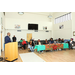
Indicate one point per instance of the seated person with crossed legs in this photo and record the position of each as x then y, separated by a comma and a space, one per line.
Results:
24, 44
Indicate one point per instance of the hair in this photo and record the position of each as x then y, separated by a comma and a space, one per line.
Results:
8, 33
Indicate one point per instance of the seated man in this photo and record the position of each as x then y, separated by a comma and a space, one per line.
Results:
24, 44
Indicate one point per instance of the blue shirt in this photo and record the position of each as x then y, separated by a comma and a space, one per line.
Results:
51, 42
7, 39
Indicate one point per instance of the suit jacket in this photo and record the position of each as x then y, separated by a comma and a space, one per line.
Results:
14, 39
7, 39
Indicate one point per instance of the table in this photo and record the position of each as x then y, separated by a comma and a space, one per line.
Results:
65, 45
39, 47
50, 46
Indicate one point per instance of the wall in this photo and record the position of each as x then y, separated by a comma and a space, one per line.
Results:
23, 20
65, 33
1, 24
73, 24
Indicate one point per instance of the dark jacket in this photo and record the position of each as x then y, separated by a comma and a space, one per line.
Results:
14, 39
46, 43
51, 42
32, 43
7, 39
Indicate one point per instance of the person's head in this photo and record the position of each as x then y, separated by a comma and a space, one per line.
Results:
14, 35
8, 34
21, 39
38, 40
46, 40
51, 39
59, 39
71, 39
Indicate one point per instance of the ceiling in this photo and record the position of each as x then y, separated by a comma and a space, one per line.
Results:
42, 13
39, 13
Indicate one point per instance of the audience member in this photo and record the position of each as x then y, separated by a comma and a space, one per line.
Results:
32, 46
56, 40
14, 38
51, 41
21, 40
59, 40
71, 43
46, 42
62, 40
7, 38
24, 44
38, 42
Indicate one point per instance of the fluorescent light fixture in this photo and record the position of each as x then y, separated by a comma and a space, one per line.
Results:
21, 13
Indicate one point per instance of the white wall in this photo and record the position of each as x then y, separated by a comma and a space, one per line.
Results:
65, 33
73, 24
23, 20
0, 40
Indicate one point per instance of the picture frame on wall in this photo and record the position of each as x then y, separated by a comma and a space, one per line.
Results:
73, 33
61, 26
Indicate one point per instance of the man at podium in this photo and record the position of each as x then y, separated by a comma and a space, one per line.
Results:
7, 38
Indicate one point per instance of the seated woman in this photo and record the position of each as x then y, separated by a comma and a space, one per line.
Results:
71, 44
51, 41
24, 44
62, 40
46, 42
32, 46
59, 40
39, 43
56, 40
21, 40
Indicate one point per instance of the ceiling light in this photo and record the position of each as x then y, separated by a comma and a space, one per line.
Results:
21, 13
50, 16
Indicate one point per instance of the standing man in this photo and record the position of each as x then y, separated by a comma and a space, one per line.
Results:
14, 38
7, 38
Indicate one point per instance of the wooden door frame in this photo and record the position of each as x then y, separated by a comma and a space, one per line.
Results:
29, 33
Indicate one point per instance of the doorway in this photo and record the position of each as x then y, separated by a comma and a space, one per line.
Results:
29, 36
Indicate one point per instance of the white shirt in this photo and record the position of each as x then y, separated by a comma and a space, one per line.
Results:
70, 41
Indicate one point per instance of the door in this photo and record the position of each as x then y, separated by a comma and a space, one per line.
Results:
29, 36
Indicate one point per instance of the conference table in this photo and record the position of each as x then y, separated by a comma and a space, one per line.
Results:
51, 46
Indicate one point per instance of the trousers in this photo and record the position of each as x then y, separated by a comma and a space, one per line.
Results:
32, 48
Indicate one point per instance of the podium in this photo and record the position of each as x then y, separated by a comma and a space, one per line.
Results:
11, 51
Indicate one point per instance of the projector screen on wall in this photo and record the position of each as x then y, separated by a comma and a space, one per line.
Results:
32, 26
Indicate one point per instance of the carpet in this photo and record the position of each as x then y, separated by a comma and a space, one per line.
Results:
30, 57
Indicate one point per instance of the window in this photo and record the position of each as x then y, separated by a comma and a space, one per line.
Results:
63, 18
66, 17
